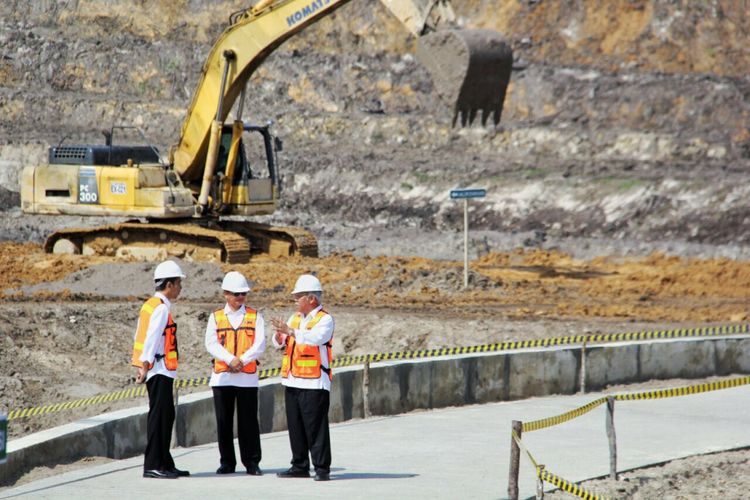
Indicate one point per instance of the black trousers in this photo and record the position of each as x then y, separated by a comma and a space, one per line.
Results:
307, 419
248, 431
159, 423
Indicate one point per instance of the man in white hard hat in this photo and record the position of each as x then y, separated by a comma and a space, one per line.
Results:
235, 337
306, 375
155, 355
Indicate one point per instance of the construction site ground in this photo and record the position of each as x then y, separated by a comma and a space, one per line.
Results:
69, 319
477, 465
616, 180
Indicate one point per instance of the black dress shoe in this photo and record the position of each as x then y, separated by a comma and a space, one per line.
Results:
180, 473
225, 469
322, 476
254, 470
159, 474
292, 472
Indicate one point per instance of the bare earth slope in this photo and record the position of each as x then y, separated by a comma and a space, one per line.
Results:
624, 120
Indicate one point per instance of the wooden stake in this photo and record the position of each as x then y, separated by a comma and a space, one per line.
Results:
366, 389
611, 437
515, 459
540, 484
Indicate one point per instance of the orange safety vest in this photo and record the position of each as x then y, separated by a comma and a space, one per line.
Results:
304, 359
170, 355
235, 341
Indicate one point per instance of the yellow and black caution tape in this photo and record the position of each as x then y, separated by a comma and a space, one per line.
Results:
543, 423
564, 485
544, 475
101, 398
706, 331
684, 391
523, 448
424, 353
183, 383
549, 342
116, 395
559, 419
573, 488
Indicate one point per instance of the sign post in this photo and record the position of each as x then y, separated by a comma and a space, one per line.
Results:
465, 194
3, 438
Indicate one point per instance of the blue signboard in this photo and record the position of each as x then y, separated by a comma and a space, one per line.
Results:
468, 193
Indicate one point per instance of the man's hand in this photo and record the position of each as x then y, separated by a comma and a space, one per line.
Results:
236, 365
280, 338
282, 327
283, 332
142, 372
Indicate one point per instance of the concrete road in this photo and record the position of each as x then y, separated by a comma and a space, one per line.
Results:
449, 453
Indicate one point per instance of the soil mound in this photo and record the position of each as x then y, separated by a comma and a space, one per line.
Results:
128, 280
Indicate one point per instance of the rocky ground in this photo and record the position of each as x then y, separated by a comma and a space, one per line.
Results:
624, 133
715, 474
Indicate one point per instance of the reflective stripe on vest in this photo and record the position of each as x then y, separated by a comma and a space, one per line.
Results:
305, 359
169, 334
238, 341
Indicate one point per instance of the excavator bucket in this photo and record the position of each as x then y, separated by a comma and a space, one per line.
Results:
470, 69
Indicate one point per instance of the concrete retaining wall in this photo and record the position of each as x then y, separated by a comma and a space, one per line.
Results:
397, 387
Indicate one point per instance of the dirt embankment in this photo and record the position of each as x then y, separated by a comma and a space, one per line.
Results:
543, 283
702, 476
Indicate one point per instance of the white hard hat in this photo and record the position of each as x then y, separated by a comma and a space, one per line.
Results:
168, 269
307, 283
235, 282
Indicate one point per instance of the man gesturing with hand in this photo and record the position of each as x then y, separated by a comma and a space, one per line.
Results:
306, 374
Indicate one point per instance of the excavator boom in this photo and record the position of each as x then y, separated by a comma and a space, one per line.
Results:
471, 68
241, 49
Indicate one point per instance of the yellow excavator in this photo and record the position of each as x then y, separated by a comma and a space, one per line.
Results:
196, 207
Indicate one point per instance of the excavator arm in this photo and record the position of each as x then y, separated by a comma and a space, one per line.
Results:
472, 67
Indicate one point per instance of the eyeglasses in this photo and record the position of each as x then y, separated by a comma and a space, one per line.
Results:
239, 294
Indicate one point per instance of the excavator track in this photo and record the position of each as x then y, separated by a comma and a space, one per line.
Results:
276, 240
225, 241
152, 240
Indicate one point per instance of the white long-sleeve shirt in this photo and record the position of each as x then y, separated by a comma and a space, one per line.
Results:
318, 335
153, 344
218, 351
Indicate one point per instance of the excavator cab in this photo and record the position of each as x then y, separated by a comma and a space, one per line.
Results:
246, 175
